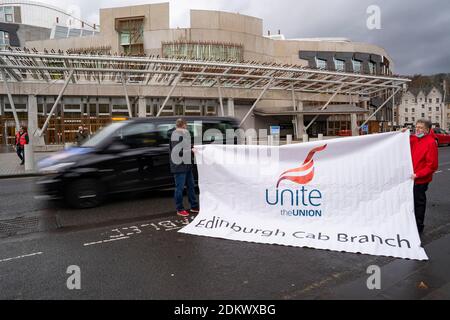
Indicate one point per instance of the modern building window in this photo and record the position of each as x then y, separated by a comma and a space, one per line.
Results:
125, 38
339, 65
372, 67
6, 14
4, 39
357, 66
321, 64
203, 51
131, 35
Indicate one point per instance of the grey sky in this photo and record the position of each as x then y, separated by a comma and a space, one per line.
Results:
416, 33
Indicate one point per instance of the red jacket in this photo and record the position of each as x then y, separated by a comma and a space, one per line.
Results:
21, 139
424, 153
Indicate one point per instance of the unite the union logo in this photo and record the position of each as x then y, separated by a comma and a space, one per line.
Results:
301, 201
305, 173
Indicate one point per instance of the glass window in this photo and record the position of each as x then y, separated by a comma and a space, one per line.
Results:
406, 109
138, 135
406, 119
423, 115
125, 38
163, 130
321, 64
437, 109
413, 119
103, 109
4, 39
372, 67
430, 100
339, 65
437, 100
413, 110
430, 109
357, 66
102, 135
203, 51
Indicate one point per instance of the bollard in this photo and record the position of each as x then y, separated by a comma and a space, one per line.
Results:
29, 158
289, 139
320, 136
305, 138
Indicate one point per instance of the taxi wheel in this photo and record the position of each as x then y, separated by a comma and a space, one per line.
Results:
84, 194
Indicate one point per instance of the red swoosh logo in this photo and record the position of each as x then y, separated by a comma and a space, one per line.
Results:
307, 164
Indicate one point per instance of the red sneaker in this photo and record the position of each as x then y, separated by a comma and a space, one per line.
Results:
183, 213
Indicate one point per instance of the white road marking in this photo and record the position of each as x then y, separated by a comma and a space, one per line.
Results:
105, 241
123, 233
21, 257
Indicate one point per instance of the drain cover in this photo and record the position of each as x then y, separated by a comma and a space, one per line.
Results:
14, 226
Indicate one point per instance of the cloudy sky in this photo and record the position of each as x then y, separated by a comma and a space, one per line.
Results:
416, 33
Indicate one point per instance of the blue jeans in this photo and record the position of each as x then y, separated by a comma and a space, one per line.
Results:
20, 150
182, 179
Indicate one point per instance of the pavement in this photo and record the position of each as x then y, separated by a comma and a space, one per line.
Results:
10, 163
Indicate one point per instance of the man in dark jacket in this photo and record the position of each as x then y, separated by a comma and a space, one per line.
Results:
424, 153
21, 140
181, 166
80, 136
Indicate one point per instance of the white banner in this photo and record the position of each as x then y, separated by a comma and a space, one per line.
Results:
353, 195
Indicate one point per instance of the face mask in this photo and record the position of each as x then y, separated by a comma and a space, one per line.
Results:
420, 135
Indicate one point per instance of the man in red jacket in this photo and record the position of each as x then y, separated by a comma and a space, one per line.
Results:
424, 152
21, 140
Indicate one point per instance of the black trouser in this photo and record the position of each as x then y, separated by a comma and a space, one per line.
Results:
21, 152
420, 204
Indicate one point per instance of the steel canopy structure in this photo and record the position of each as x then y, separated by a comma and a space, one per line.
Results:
26, 66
